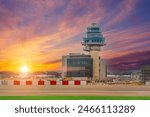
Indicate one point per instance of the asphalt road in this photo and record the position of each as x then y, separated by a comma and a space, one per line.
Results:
87, 90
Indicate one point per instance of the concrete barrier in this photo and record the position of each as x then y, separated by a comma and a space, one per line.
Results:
35, 82
10, 82
77, 82
44, 82
41, 82
59, 82
52, 82
28, 82
83, 82
16, 82
47, 82
71, 82
65, 82
22, 82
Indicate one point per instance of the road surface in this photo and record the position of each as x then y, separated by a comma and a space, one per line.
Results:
87, 90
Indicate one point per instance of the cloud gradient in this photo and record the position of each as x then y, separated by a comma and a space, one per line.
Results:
39, 32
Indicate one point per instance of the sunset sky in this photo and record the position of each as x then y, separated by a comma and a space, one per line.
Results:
36, 33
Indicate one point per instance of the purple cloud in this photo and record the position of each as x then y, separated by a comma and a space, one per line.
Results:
130, 61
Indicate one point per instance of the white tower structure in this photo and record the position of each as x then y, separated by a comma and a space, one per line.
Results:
92, 43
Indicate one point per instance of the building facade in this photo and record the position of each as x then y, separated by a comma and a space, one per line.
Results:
146, 73
103, 69
77, 65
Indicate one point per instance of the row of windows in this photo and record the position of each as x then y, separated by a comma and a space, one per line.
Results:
79, 74
93, 29
93, 35
94, 41
79, 62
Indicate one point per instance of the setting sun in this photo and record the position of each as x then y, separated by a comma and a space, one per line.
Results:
24, 69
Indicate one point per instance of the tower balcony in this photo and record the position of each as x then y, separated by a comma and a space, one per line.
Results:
93, 41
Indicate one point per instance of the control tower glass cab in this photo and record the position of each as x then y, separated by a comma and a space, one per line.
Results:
92, 43
94, 38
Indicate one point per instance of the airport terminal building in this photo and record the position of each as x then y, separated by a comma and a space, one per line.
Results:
80, 66
77, 65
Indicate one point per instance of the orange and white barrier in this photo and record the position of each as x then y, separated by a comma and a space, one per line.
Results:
41, 82
65, 82
71, 82
9, 82
17, 82
29, 82
35, 82
77, 82
83, 82
53, 82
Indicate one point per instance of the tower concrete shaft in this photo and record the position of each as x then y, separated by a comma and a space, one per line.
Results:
96, 64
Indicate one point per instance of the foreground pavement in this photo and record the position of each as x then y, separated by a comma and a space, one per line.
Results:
87, 90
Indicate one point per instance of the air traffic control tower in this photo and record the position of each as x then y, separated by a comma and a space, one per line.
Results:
92, 43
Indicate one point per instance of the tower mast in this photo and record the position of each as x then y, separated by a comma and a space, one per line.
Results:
92, 43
